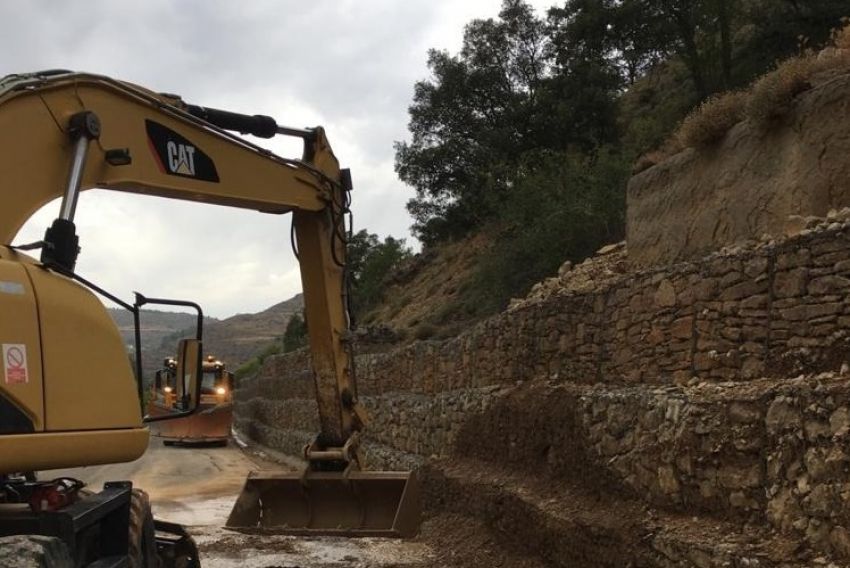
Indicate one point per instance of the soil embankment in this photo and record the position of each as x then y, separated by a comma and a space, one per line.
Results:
760, 179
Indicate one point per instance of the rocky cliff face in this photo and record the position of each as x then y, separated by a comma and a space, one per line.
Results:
758, 180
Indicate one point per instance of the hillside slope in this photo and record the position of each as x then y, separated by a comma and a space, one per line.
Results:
758, 164
425, 297
237, 339
159, 333
234, 340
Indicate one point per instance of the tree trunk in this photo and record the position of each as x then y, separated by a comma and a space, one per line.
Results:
725, 42
690, 51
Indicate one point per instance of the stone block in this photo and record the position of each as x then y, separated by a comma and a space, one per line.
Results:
790, 283
740, 476
782, 415
741, 290
682, 328
665, 295
829, 285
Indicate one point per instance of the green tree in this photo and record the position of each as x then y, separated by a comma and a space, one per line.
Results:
772, 30
295, 336
370, 264
469, 122
581, 94
725, 44
566, 206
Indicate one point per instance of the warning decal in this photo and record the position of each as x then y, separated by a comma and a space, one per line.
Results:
15, 363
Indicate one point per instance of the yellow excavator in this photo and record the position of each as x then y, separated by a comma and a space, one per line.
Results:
211, 423
68, 394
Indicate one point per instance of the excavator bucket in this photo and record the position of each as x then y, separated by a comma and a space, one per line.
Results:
359, 503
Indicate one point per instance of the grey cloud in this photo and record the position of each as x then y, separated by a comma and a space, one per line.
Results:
348, 65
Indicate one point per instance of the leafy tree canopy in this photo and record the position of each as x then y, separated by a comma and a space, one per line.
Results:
524, 83
370, 263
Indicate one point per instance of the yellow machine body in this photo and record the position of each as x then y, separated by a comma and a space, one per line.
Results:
65, 421
77, 405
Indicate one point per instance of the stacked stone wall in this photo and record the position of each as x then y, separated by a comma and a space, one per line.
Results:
770, 450
735, 315
674, 384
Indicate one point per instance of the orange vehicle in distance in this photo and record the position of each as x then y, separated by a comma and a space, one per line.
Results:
211, 423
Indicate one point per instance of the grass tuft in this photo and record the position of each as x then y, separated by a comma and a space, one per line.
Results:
772, 96
710, 121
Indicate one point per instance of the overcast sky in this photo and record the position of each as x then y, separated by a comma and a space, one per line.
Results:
347, 65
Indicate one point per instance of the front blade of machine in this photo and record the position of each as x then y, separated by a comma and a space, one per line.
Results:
210, 424
359, 503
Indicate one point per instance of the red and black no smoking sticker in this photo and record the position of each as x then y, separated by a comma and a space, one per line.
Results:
15, 363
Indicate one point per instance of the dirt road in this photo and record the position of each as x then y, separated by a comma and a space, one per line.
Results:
196, 487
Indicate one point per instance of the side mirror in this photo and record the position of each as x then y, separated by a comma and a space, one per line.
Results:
188, 379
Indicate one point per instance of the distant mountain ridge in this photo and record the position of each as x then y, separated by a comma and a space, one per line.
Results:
234, 340
237, 339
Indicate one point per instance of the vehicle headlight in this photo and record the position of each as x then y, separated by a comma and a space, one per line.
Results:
166, 389
220, 390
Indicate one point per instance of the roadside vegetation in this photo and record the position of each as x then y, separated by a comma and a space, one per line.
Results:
767, 99
531, 130
521, 144
371, 263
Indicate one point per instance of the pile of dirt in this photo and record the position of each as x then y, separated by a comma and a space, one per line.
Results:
462, 541
487, 514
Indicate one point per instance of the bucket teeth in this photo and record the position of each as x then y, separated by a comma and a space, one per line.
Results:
329, 503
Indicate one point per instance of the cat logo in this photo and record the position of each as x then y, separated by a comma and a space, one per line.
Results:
181, 158
177, 156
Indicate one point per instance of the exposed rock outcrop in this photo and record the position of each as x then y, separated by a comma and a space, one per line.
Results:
749, 185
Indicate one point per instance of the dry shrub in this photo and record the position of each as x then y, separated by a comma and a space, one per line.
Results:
772, 96
646, 161
710, 122
768, 98
424, 331
653, 157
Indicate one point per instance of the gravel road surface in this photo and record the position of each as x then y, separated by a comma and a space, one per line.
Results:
196, 486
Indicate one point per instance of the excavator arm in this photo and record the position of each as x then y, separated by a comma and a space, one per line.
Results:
64, 133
